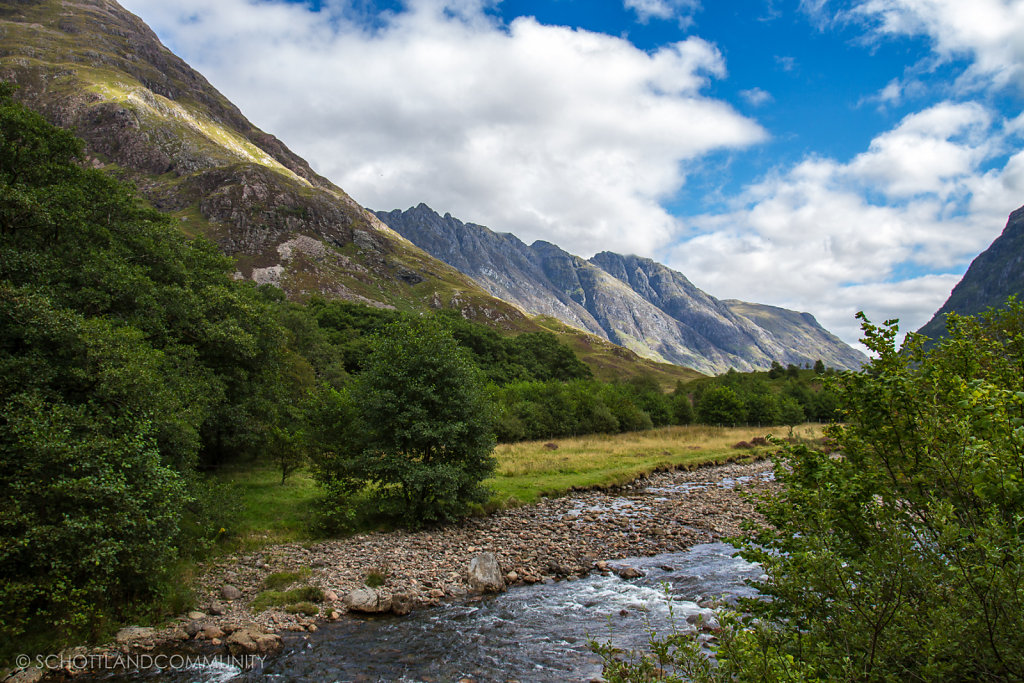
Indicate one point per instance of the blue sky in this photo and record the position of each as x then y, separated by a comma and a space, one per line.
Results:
824, 156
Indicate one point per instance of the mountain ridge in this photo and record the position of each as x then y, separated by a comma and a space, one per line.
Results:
95, 68
628, 300
993, 276
147, 117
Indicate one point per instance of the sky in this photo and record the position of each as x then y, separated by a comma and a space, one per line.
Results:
821, 155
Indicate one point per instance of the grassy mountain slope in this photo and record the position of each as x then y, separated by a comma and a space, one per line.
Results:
95, 68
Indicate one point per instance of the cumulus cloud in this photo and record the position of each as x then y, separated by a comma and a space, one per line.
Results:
886, 232
986, 32
544, 131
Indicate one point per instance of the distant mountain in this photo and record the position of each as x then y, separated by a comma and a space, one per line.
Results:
995, 275
632, 301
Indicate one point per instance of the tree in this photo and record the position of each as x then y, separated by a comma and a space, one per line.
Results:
761, 408
720, 405
897, 554
682, 408
419, 432
126, 354
819, 367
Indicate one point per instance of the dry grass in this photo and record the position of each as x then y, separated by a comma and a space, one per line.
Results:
531, 469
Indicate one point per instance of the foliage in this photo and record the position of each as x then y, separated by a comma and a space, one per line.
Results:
779, 396
720, 405
414, 428
127, 357
898, 555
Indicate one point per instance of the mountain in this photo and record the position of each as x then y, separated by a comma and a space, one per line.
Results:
632, 301
995, 275
145, 115
95, 68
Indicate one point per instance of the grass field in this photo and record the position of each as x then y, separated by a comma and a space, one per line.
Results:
274, 513
531, 469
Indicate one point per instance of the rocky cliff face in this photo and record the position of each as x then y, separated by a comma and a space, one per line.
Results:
631, 301
93, 67
993, 277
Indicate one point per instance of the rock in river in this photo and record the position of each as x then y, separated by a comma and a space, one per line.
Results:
485, 574
368, 600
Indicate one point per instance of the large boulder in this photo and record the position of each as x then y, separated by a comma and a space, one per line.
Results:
368, 600
252, 640
229, 592
485, 574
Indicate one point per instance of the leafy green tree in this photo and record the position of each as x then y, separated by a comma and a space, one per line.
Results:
761, 408
127, 355
819, 367
899, 554
776, 370
682, 407
652, 400
544, 357
720, 405
421, 435
789, 411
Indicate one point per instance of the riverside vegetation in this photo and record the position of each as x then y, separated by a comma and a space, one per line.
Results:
135, 370
896, 554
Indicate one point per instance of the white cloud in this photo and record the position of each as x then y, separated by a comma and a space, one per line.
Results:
756, 97
987, 32
887, 233
548, 132
929, 152
663, 9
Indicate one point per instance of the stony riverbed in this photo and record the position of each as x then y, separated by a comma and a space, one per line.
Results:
557, 539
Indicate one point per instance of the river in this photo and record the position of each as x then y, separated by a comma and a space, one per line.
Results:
535, 633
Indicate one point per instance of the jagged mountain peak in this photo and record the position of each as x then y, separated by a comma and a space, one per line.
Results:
630, 300
994, 276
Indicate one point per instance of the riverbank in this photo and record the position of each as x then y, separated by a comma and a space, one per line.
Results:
555, 539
